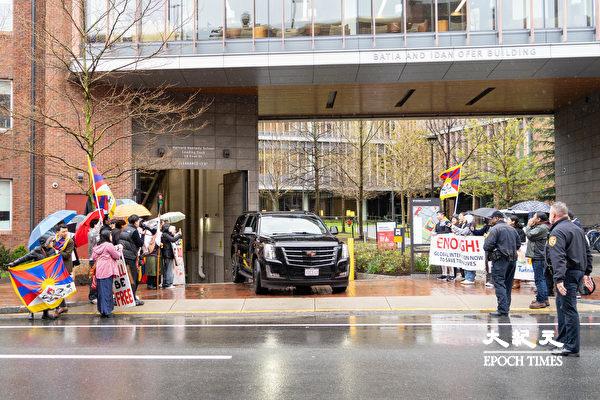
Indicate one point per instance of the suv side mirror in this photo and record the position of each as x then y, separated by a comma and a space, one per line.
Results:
248, 230
333, 230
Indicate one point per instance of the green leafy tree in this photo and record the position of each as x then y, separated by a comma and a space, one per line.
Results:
542, 143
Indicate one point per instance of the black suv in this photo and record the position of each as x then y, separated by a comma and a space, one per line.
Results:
281, 249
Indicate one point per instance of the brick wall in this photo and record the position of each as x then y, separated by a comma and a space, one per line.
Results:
578, 157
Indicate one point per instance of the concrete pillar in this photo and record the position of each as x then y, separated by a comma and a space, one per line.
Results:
577, 161
305, 202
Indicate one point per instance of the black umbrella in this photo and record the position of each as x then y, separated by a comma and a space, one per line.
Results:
484, 212
531, 206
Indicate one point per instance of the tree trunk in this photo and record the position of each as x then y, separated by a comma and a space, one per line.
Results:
361, 173
343, 214
402, 212
316, 171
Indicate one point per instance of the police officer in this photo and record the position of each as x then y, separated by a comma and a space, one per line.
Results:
570, 256
502, 244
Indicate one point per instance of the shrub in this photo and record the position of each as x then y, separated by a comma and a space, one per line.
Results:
19, 251
371, 260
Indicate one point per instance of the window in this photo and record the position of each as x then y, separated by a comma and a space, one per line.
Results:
6, 15
153, 20
264, 24
515, 14
357, 15
210, 19
95, 19
546, 13
420, 16
482, 15
388, 16
5, 205
581, 14
328, 18
298, 19
5, 104
181, 19
452, 15
122, 18
240, 16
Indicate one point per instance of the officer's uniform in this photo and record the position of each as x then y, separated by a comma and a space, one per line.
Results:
502, 243
571, 259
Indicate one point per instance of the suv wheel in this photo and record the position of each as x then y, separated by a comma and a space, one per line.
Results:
339, 289
256, 283
235, 270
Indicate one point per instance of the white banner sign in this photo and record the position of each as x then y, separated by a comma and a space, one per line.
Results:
122, 287
464, 252
524, 270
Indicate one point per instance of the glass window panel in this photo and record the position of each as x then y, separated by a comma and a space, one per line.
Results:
298, 20
5, 104
122, 17
452, 15
275, 18
482, 15
5, 204
388, 16
420, 16
328, 17
240, 18
95, 20
364, 19
515, 14
6, 15
210, 19
262, 27
181, 19
580, 13
546, 13
153, 20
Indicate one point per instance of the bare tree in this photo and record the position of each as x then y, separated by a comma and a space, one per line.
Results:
311, 157
96, 112
358, 140
275, 175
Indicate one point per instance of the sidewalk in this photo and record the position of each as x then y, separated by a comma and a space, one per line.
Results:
416, 294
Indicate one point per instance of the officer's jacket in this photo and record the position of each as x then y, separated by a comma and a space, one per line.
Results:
567, 249
503, 238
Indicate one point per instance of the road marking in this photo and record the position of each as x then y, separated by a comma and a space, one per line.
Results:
109, 357
297, 325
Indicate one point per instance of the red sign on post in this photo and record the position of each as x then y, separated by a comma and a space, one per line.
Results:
385, 235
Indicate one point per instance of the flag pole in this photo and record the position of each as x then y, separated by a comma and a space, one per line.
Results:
160, 203
91, 172
458, 190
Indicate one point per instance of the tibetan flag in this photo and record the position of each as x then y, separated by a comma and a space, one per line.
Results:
104, 198
42, 285
451, 185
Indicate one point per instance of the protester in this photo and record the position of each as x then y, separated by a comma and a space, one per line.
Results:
537, 234
502, 244
168, 256
116, 228
514, 221
465, 229
64, 245
105, 256
43, 250
575, 220
458, 221
442, 227
569, 253
92, 240
151, 248
132, 242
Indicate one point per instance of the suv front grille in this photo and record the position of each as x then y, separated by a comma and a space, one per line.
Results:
310, 257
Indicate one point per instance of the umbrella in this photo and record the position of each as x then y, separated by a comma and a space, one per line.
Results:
484, 212
173, 217
72, 224
47, 224
121, 202
125, 210
81, 234
531, 206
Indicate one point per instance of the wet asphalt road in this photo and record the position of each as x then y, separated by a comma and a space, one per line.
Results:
276, 357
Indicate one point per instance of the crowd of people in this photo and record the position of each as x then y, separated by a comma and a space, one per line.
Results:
560, 257
138, 243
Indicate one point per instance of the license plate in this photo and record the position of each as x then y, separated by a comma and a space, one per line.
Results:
311, 272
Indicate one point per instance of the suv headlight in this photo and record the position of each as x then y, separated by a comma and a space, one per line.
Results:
345, 253
269, 252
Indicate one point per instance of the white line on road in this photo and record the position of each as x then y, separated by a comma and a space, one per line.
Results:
109, 357
340, 325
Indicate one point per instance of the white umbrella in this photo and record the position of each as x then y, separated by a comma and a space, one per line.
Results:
173, 217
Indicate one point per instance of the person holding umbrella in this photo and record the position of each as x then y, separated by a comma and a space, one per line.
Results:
167, 240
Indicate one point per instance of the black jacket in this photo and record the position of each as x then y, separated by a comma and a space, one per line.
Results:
441, 228
167, 250
568, 249
37, 254
504, 239
481, 232
131, 241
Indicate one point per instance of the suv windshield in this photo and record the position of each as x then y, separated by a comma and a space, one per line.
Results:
282, 225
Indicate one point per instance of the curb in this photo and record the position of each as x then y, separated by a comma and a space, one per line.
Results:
23, 309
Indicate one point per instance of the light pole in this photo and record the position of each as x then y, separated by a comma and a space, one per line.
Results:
431, 138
